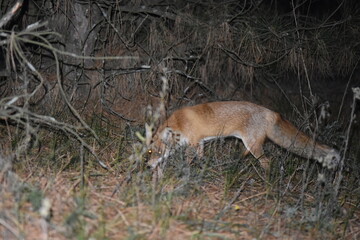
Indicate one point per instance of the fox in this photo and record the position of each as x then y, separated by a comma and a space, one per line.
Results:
192, 126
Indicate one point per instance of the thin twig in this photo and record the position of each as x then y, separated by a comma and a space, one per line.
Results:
338, 178
10, 228
346, 89
231, 202
6, 18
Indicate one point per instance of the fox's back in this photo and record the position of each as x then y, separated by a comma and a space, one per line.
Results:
219, 119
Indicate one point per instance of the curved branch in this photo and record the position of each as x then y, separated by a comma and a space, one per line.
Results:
6, 18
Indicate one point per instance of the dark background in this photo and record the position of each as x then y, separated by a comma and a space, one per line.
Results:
80, 79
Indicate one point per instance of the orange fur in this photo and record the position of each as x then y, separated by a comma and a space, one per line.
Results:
252, 123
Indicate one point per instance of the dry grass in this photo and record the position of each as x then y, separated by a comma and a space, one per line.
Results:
181, 207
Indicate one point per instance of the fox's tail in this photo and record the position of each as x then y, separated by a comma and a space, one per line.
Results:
289, 137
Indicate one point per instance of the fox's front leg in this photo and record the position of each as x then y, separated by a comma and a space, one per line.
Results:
157, 174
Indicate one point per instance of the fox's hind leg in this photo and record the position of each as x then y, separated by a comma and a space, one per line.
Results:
255, 147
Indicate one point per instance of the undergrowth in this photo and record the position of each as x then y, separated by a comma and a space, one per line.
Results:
73, 156
222, 196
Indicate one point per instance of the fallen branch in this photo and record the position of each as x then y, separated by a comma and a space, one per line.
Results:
7, 17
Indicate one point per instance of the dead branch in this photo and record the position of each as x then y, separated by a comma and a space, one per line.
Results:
6, 18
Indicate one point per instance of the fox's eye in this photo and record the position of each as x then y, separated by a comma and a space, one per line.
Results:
150, 151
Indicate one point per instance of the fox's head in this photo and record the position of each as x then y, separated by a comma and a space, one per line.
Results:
162, 144
156, 153
156, 150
